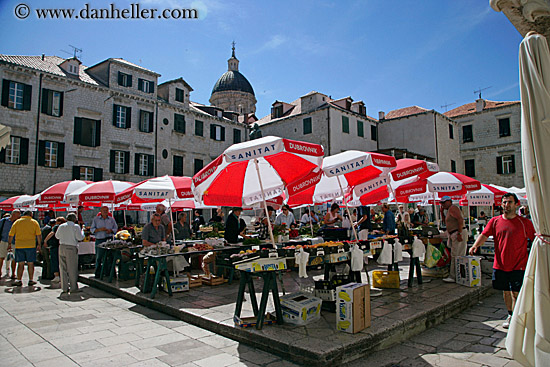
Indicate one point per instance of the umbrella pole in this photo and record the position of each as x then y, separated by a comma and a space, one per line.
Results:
347, 208
125, 225
265, 204
436, 214
172, 222
310, 221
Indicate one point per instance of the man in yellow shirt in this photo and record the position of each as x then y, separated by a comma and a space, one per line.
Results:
26, 232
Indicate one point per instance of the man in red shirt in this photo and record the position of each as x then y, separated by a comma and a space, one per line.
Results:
510, 233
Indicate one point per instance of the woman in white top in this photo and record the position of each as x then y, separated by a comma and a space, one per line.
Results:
332, 215
69, 234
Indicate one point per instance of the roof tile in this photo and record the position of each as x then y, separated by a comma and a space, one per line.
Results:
470, 108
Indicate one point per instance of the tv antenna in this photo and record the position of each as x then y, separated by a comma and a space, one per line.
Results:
480, 90
447, 105
75, 52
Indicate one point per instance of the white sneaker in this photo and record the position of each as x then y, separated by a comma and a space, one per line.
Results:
506, 323
56, 279
449, 280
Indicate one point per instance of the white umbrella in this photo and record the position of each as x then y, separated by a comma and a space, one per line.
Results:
528, 338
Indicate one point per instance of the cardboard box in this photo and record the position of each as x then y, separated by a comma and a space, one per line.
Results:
353, 307
179, 284
300, 308
246, 322
468, 271
338, 257
262, 264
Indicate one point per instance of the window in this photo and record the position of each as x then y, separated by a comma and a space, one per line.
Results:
504, 127
345, 124
236, 136
470, 167
51, 154
16, 95
467, 134
122, 116
360, 131
179, 95
52, 102
362, 110
17, 152
177, 168
119, 162
124, 79
374, 132
145, 121
87, 173
453, 166
144, 164
87, 132
198, 164
146, 86
277, 111
179, 123
217, 132
451, 132
506, 164
308, 129
199, 126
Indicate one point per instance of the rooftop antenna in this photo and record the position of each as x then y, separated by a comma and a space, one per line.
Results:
480, 90
76, 51
447, 105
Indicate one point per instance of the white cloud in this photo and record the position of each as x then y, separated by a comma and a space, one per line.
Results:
504, 90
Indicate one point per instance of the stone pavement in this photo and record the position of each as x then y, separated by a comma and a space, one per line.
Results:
94, 328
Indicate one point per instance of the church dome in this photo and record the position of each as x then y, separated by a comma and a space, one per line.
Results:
233, 80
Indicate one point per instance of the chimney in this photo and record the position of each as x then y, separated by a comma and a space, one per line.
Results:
480, 104
381, 115
43, 57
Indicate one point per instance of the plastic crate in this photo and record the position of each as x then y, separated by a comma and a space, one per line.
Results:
385, 279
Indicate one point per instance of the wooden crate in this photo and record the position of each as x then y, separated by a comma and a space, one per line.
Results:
213, 280
195, 281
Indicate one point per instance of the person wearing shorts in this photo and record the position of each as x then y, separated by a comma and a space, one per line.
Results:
510, 233
27, 234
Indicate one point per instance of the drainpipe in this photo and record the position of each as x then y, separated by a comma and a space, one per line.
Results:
156, 135
436, 148
37, 133
328, 132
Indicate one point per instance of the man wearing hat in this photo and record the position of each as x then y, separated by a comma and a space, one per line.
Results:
457, 234
232, 225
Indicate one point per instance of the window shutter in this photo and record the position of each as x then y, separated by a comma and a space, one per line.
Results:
140, 84
61, 104
24, 151
129, 78
114, 112
98, 174
27, 95
151, 162
212, 131
60, 155
97, 133
151, 87
178, 166
112, 162
151, 122
41, 153
5, 92
119, 78
128, 117
499, 165
136, 164
3, 155
77, 130
76, 172
45, 101
222, 133
513, 168
126, 162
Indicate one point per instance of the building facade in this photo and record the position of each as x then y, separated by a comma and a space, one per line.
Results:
490, 141
108, 121
338, 125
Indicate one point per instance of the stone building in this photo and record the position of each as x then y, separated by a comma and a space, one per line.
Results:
338, 125
490, 141
108, 121
232, 91
415, 132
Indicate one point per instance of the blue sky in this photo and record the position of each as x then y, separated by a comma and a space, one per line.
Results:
388, 53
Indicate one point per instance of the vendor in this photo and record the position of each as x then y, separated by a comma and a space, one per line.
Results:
232, 226
263, 230
286, 217
307, 217
333, 216
182, 228
153, 232
388, 225
420, 218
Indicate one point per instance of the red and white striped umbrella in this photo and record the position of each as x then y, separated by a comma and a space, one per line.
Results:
442, 183
407, 168
16, 202
232, 179
486, 196
158, 189
102, 192
56, 193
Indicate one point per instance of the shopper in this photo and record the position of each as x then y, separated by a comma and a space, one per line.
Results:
510, 233
69, 234
333, 216
103, 227
363, 222
263, 230
388, 224
233, 226
165, 220
307, 217
482, 221
53, 244
153, 232
403, 217
286, 217
182, 228
27, 235
5, 243
45, 251
456, 233
198, 221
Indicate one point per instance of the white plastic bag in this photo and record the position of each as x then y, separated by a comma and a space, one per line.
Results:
418, 249
356, 258
302, 258
397, 251
385, 255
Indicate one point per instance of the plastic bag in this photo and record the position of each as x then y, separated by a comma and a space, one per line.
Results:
433, 255
385, 257
445, 256
418, 248
397, 251
356, 258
